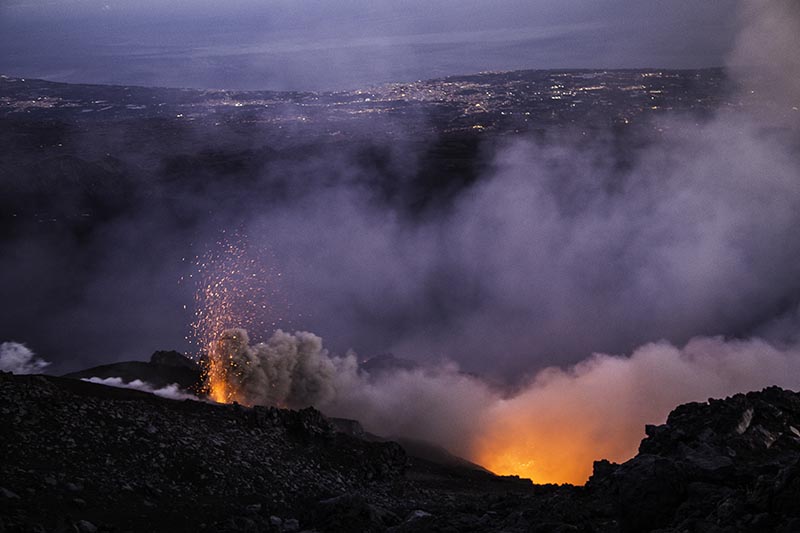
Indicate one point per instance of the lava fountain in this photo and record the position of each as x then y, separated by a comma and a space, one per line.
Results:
236, 286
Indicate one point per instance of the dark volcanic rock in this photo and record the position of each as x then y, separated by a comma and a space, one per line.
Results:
351, 512
143, 463
725, 465
172, 358
646, 491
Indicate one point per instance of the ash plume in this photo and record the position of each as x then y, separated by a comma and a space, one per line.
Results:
19, 359
551, 429
291, 370
435, 403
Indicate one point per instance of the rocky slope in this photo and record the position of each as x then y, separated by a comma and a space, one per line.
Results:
76, 456
725, 465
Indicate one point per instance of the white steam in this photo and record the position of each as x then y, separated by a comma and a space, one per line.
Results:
172, 391
19, 359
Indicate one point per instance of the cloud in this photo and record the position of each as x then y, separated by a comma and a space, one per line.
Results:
555, 253
559, 251
19, 359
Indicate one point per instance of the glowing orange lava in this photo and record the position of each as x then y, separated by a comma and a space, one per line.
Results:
220, 377
216, 377
554, 431
234, 288
556, 456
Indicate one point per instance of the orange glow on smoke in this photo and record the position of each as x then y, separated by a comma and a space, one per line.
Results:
558, 454
565, 419
234, 289
554, 430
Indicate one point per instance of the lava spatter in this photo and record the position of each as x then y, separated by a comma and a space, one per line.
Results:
237, 285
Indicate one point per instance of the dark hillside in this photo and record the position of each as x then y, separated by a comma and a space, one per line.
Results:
83, 457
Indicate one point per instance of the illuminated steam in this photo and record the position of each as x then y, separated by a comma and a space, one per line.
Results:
172, 391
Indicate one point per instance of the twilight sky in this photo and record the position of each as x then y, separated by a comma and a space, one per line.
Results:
324, 44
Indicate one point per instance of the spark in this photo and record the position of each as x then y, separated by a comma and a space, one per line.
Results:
235, 287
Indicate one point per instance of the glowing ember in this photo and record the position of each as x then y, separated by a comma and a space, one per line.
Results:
236, 287
217, 379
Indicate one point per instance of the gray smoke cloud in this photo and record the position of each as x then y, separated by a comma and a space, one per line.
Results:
19, 359
291, 370
551, 429
295, 370
556, 253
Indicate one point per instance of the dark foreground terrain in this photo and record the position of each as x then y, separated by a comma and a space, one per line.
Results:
76, 456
